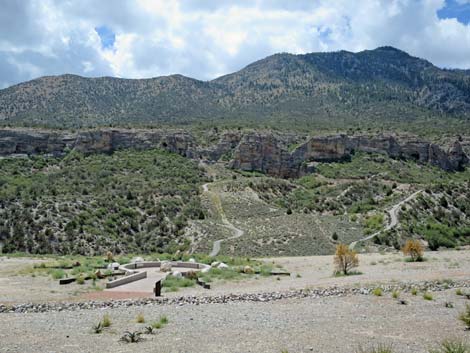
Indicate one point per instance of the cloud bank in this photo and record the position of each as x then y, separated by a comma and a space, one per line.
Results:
205, 38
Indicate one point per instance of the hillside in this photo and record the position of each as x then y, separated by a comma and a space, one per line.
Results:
128, 201
377, 87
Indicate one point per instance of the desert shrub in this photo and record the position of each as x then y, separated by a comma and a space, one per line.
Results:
395, 294
140, 318
465, 317
377, 292
80, 279
413, 249
106, 321
459, 291
452, 346
173, 283
163, 319
427, 296
345, 259
414, 291
109, 256
58, 274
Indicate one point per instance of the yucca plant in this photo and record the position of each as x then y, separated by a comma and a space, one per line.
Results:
149, 330
465, 317
98, 328
131, 337
452, 346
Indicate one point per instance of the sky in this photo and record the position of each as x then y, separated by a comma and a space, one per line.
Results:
208, 38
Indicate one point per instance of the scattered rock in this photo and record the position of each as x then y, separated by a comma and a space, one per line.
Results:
165, 266
334, 291
222, 266
113, 266
248, 269
177, 274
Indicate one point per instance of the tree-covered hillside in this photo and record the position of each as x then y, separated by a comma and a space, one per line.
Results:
381, 87
124, 202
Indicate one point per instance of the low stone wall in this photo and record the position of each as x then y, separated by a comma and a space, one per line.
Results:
149, 264
127, 279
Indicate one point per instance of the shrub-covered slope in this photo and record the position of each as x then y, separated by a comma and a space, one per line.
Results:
124, 202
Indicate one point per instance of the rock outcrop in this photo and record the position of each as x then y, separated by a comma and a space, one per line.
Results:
93, 141
264, 152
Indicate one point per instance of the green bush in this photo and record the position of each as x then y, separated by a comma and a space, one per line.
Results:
427, 296
377, 292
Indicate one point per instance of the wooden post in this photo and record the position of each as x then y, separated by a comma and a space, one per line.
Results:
158, 288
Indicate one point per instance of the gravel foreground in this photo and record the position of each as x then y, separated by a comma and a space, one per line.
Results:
340, 320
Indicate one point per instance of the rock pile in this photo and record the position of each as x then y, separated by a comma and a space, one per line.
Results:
431, 286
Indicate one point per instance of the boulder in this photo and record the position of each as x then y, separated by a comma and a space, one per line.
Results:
192, 260
222, 266
165, 266
113, 266
205, 269
248, 270
215, 264
177, 274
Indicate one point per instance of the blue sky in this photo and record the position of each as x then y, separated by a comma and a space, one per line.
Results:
107, 36
456, 9
208, 38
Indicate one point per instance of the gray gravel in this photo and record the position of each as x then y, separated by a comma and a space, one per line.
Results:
327, 324
333, 291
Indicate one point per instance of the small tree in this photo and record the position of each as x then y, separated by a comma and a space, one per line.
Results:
109, 256
413, 249
345, 259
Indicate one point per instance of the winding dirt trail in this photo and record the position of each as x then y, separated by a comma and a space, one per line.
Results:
237, 233
393, 213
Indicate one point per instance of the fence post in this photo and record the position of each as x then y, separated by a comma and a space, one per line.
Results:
158, 288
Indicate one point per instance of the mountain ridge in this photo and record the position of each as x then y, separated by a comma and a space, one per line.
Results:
382, 84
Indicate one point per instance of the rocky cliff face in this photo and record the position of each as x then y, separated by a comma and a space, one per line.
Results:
264, 152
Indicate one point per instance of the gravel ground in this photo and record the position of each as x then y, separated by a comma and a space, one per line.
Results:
333, 324
312, 324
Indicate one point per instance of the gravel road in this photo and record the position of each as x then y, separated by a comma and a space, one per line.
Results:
237, 233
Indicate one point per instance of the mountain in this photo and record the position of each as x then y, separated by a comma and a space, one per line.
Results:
381, 85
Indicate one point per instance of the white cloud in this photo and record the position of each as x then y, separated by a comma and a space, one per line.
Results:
204, 38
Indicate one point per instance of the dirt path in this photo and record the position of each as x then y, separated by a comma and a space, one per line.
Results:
237, 233
393, 213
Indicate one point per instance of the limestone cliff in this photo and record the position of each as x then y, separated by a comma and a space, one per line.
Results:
253, 151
